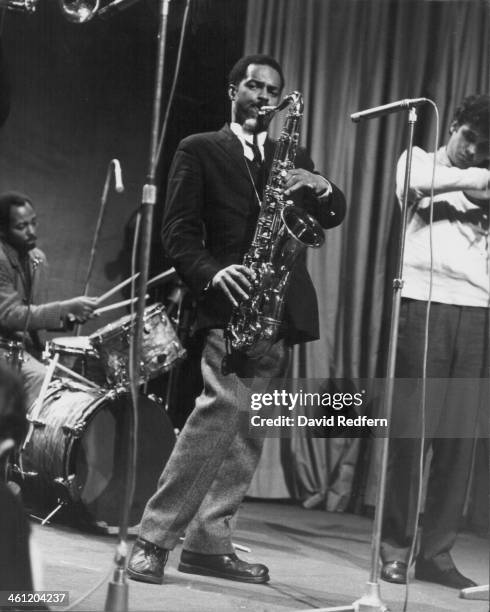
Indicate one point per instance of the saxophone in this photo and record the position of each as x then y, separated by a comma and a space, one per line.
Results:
283, 231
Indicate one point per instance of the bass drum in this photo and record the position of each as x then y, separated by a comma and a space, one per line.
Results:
78, 452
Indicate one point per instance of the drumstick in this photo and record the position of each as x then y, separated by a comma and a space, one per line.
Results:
79, 377
115, 289
116, 305
164, 276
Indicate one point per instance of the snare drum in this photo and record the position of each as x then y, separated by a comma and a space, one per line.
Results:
161, 348
77, 354
78, 447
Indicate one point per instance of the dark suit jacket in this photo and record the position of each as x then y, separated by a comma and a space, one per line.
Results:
210, 218
14, 296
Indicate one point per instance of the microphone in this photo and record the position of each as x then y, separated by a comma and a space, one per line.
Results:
115, 7
386, 109
118, 176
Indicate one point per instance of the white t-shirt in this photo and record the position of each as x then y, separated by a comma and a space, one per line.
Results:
459, 232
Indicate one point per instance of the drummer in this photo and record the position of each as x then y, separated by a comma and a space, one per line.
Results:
22, 275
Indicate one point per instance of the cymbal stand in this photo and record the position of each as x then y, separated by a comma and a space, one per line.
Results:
177, 320
119, 187
116, 166
371, 600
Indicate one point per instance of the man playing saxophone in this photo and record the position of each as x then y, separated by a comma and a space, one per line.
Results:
213, 202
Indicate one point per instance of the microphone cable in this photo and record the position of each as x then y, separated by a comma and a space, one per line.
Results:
171, 96
423, 401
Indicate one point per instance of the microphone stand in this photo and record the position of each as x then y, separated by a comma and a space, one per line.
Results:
371, 600
115, 165
117, 594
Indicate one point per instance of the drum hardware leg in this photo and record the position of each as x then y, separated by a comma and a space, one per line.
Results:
63, 499
38, 404
45, 520
36, 518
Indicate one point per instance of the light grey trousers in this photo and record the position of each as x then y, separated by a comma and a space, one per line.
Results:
32, 373
214, 459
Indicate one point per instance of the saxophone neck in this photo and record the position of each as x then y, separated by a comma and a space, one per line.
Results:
294, 98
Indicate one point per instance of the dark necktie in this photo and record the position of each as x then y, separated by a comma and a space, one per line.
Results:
257, 157
255, 165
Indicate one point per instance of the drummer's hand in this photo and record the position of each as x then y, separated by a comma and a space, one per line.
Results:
234, 281
80, 308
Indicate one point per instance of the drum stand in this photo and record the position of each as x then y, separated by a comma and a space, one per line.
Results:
62, 485
182, 329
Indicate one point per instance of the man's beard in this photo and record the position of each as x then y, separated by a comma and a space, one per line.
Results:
256, 124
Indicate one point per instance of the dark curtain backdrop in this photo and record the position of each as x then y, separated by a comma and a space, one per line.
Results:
347, 55
82, 95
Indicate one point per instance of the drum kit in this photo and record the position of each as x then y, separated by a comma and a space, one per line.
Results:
74, 454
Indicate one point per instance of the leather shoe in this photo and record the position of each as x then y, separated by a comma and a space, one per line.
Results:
223, 566
147, 562
394, 571
428, 571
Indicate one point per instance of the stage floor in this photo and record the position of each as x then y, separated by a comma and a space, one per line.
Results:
316, 560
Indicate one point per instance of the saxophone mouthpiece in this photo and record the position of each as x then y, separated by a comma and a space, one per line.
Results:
295, 96
266, 110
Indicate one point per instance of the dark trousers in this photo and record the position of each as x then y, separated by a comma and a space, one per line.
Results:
458, 349
214, 459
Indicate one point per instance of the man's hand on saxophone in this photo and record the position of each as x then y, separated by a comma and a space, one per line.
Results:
234, 281
297, 178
